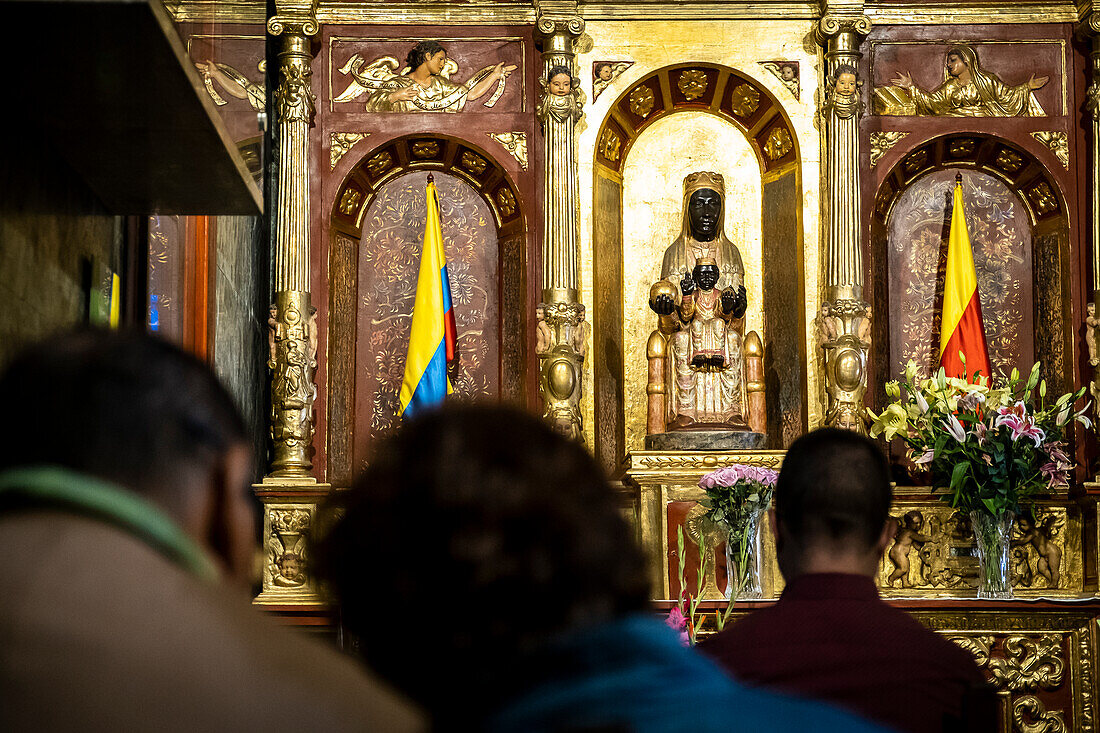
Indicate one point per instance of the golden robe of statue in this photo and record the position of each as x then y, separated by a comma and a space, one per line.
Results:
706, 394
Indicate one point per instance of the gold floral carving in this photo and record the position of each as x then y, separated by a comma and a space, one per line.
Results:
744, 100
349, 201
340, 143
506, 201
708, 462
424, 149
379, 163
779, 143
1030, 663
916, 161
882, 142
1008, 161
961, 147
473, 163
978, 646
641, 101
1058, 142
1086, 720
1042, 198
515, 143
609, 144
692, 84
1029, 715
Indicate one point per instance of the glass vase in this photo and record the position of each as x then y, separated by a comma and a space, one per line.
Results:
743, 558
992, 536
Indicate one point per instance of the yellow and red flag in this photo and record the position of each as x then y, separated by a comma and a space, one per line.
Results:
433, 338
961, 327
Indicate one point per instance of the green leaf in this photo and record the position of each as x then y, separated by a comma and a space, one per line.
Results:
957, 475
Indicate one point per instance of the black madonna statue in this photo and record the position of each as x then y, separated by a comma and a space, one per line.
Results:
697, 369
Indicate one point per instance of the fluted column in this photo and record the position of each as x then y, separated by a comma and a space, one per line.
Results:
1092, 108
844, 320
562, 329
289, 492
293, 360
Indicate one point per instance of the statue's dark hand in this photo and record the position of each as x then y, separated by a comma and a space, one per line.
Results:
663, 305
687, 285
735, 304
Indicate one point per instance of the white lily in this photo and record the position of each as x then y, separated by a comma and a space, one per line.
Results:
955, 428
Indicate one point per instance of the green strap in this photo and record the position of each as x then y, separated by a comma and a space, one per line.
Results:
54, 486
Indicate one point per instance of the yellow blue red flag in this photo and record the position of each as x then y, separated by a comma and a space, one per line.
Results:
433, 339
961, 330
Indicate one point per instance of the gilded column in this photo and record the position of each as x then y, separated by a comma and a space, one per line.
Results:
293, 358
845, 317
1092, 107
289, 492
562, 329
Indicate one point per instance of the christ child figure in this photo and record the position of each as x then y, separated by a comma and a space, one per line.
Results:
704, 311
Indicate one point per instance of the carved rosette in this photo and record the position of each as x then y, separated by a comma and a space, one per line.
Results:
562, 346
846, 353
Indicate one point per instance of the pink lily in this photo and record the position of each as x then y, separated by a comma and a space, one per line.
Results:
925, 457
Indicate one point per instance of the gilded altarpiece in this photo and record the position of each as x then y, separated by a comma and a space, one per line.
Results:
474, 130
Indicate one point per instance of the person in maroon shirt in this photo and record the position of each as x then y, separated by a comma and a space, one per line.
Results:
830, 636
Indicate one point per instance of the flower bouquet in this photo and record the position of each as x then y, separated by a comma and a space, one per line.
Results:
736, 498
988, 446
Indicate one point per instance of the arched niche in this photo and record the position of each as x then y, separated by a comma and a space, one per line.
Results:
751, 125
1019, 232
377, 225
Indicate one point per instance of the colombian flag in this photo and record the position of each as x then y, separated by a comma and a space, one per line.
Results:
433, 338
961, 326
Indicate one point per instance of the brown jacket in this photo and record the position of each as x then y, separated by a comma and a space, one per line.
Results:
99, 632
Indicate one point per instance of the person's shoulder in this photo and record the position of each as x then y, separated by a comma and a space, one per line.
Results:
760, 709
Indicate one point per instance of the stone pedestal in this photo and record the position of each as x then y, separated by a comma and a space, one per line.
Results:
705, 440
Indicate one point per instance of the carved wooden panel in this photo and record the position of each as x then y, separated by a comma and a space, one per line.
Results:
1000, 237
389, 260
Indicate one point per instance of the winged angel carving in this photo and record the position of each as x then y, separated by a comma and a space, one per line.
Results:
424, 85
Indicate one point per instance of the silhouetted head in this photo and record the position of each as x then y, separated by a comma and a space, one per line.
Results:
831, 504
486, 533
704, 211
141, 413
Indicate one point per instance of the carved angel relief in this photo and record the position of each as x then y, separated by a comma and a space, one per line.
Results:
423, 85
605, 72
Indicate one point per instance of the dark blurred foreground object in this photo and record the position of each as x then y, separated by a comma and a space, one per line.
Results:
487, 571
123, 487
830, 637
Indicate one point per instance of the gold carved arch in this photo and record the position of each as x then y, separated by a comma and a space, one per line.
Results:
712, 88
426, 153
747, 105
1033, 183
1018, 168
